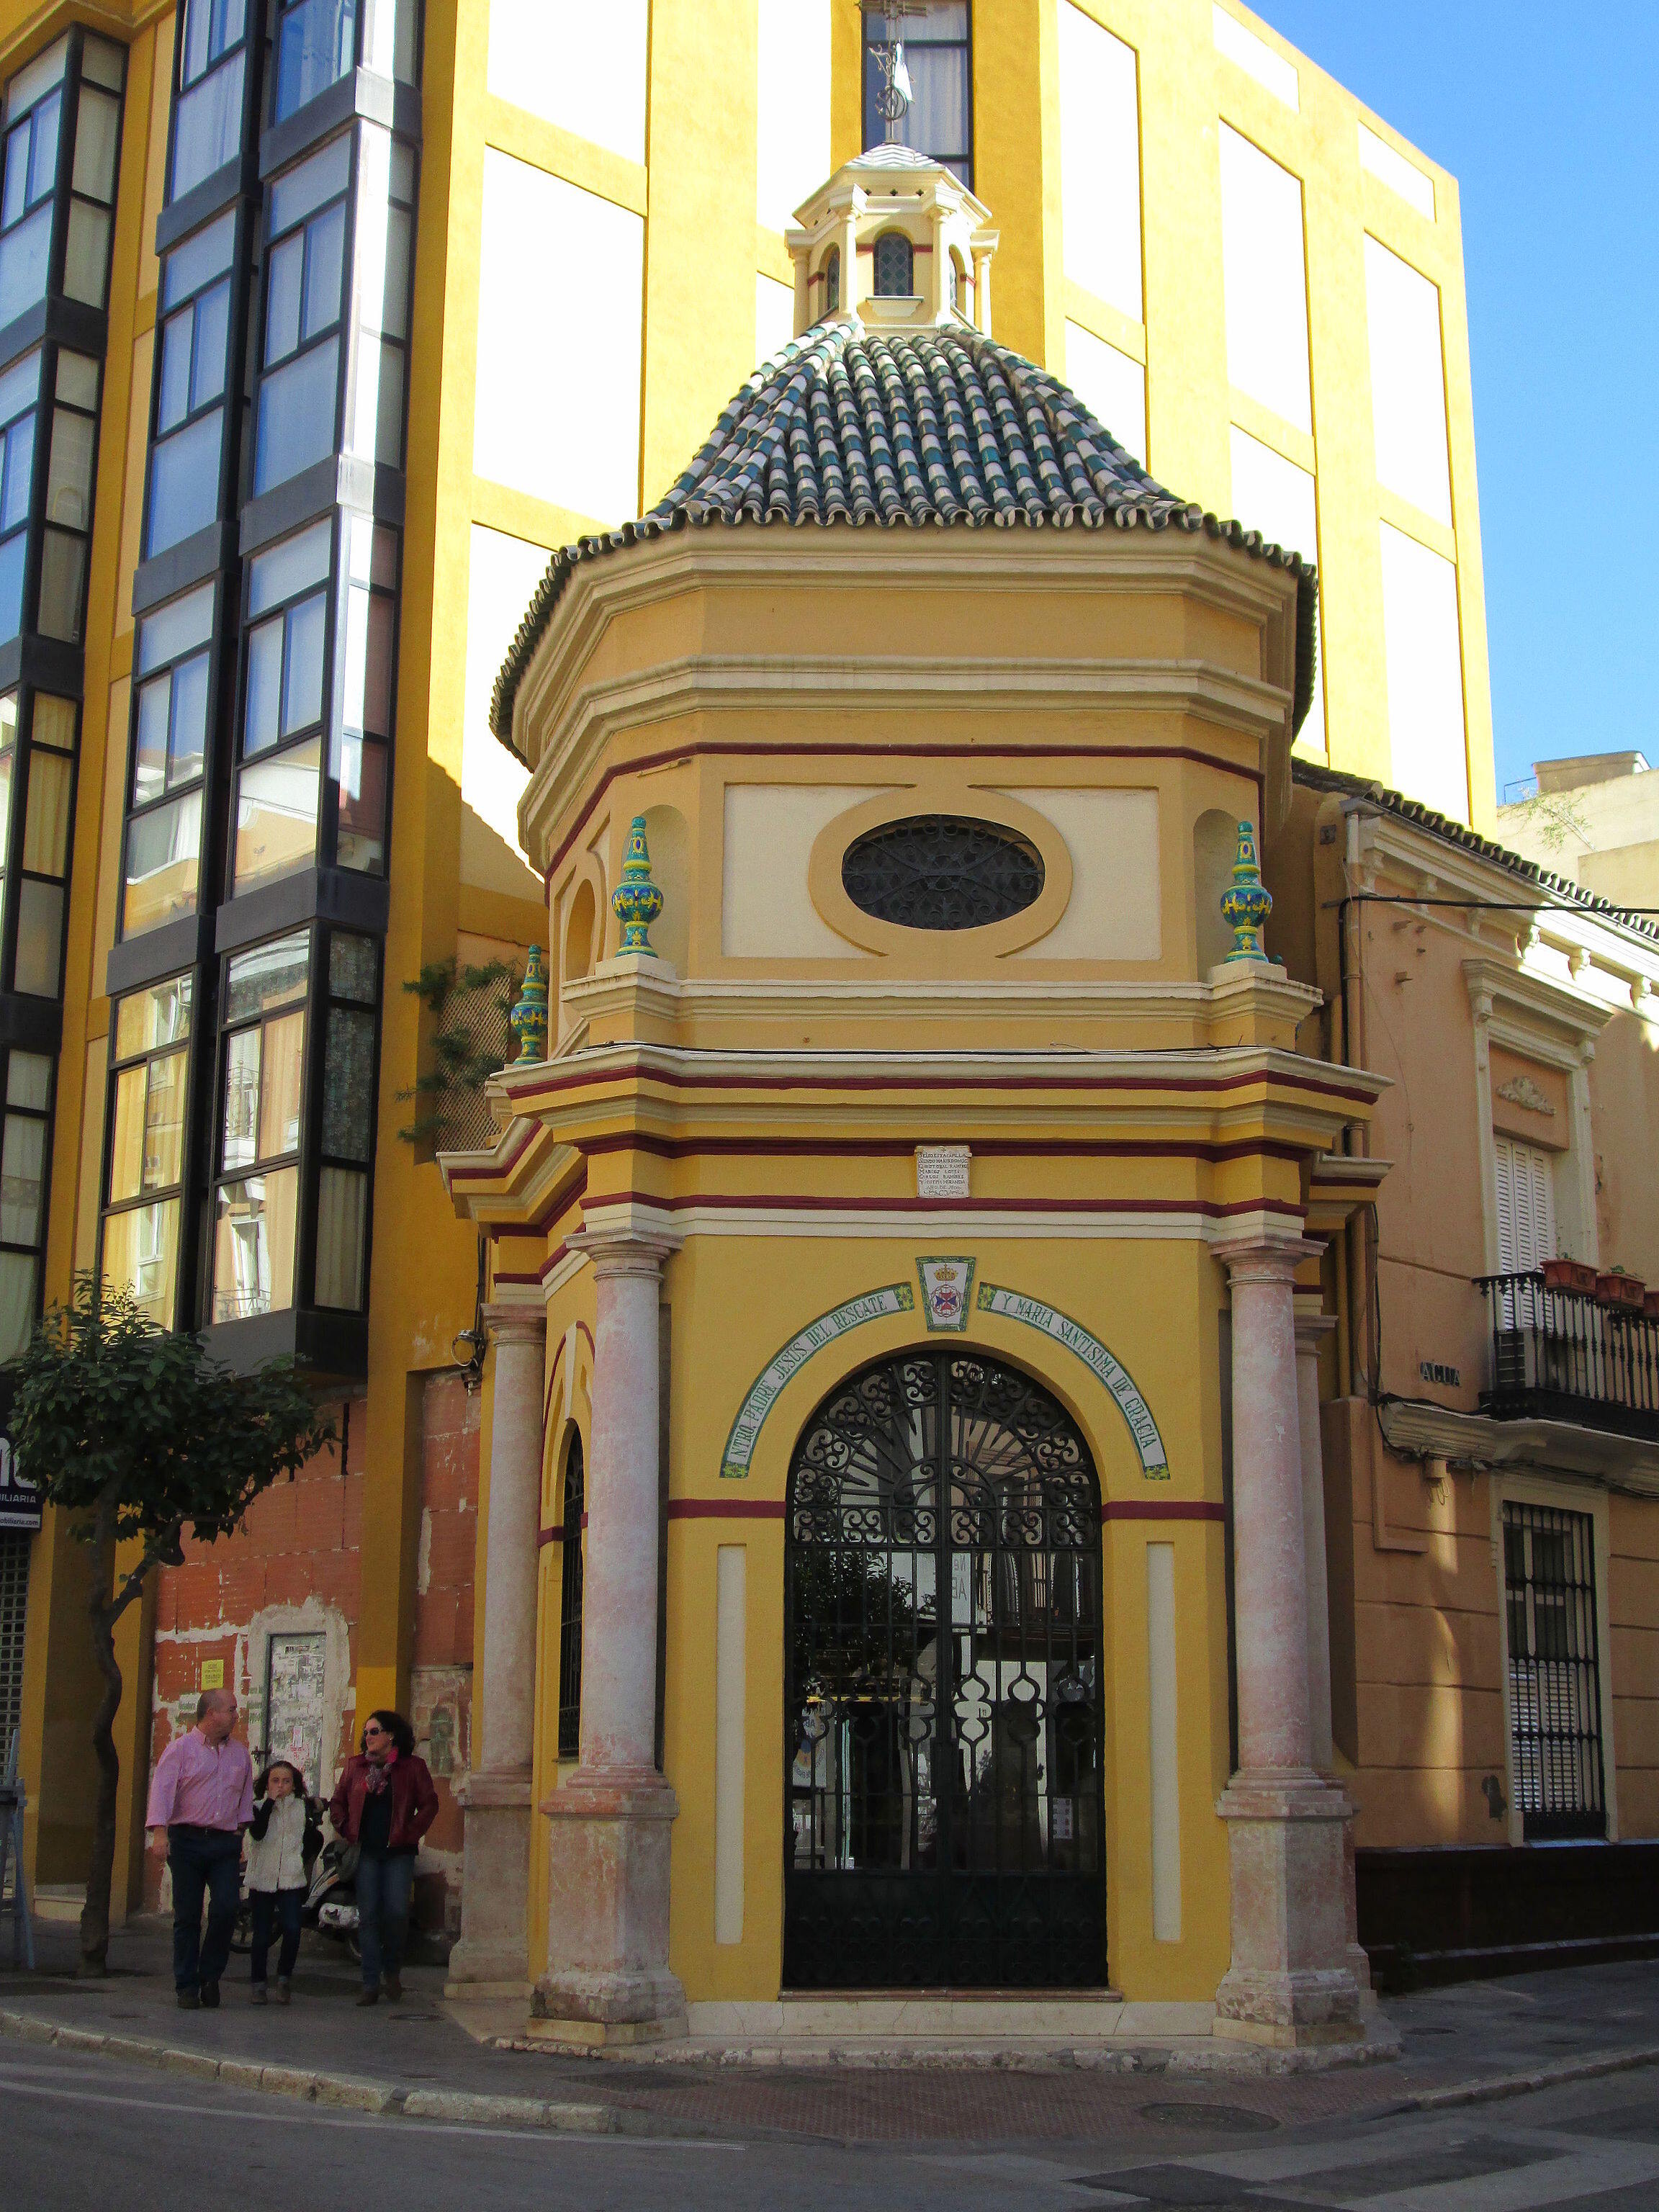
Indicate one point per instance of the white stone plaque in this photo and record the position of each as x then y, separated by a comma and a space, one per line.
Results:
942, 1170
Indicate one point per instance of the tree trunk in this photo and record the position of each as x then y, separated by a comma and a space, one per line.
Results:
95, 1914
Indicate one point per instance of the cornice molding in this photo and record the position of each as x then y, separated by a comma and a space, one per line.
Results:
1417, 1429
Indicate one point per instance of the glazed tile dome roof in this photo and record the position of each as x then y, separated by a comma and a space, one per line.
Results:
939, 427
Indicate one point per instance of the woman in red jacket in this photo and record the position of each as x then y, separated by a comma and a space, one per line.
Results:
385, 1802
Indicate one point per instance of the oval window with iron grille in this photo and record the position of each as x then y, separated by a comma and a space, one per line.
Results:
942, 871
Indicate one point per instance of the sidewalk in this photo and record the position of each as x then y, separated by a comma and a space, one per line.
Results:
1469, 2043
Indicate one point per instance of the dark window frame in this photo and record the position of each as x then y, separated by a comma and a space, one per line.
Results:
316, 730
336, 331
133, 812
45, 1115
185, 1050
25, 747
874, 126
221, 1176
229, 398
239, 54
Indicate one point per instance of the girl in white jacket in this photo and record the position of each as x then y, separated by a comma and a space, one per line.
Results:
284, 1838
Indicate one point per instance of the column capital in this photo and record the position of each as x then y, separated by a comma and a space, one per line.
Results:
1311, 1330
517, 1324
1261, 1255
626, 1239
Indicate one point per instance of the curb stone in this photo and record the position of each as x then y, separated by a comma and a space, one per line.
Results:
341, 2091
1564, 2072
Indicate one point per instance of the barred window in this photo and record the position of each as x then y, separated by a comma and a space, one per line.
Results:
1555, 1681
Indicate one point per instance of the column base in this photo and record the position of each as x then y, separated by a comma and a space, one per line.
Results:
608, 1984
491, 1958
1292, 1982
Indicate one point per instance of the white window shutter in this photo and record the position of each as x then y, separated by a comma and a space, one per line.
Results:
1526, 1207
1507, 1262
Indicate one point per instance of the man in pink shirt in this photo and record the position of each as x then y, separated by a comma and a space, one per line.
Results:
201, 1800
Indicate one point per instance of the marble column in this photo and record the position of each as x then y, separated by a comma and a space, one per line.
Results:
1291, 1981
607, 1981
495, 1880
1311, 1330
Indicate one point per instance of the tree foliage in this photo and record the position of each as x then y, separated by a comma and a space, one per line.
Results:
135, 1435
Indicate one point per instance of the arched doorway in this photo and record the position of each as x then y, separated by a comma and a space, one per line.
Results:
943, 1823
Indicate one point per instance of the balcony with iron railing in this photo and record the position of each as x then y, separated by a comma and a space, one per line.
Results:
1566, 1354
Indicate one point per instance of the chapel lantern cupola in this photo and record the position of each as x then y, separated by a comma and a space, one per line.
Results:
893, 242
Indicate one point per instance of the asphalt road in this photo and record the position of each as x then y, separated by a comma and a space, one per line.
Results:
83, 2131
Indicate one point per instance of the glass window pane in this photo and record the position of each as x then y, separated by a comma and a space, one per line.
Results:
289, 566
353, 970
69, 472
164, 1120
63, 585
277, 814
314, 47
39, 964
54, 721
126, 1151
95, 136
44, 72
207, 126
301, 190
342, 1216
158, 1015
174, 629
23, 257
280, 1097
86, 255
23, 1170
377, 415
47, 824
8, 760
296, 416
184, 484
28, 1078
20, 386
253, 1246
19, 474
271, 976
141, 1254
173, 384
212, 338
17, 1274
360, 840
43, 146
77, 381
283, 297
306, 624
348, 1084
204, 254
104, 64
163, 853
14, 197
240, 1135
190, 713
325, 268
11, 586
262, 722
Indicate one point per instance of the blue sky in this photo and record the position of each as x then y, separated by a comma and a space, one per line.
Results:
1547, 115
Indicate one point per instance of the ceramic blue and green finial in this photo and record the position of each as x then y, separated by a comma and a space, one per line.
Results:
636, 902
1246, 902
528, 1020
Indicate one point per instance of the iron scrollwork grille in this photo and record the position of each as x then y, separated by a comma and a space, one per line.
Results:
1555, 1675
944, 1706
942, 871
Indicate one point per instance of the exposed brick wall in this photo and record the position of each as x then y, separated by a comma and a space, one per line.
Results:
298, 1565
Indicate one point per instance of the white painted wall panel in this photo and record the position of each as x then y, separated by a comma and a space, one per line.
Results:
1425, 675
581, 66
1114, 912
1112, 384
774, 317
558, 381
792, 148
1408, 382
1164, 1742
1393, 169
1255, 57
1265, 279
1099, 161
502, 574
730, 1704
1274, 496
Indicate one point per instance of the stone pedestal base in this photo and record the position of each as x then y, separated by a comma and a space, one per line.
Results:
607, 1984
491, 1958
1291, 1982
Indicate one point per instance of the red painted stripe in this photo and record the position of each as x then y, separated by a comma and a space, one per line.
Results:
1212, 1209
639, 764
672, 1079
1160, 1508
1009, 1148
725, 1508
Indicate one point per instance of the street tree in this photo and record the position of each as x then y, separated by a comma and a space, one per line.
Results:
136, 1436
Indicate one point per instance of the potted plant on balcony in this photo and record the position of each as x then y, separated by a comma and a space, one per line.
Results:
1623, 1293
1570, 1275
1650, 1305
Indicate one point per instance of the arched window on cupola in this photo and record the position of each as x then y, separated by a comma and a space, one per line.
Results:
894, 267
832, 281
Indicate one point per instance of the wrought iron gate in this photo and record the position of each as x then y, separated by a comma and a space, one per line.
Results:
943, 1706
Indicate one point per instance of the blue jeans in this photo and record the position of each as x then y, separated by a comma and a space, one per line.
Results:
384, 1886
203, 1860
271, 1906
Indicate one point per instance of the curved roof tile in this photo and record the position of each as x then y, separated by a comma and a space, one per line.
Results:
940, 427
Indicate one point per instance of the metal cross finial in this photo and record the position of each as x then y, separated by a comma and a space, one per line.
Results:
896, 90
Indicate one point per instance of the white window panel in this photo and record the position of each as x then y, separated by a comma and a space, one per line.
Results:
1408, 382
1425, 675
557, 398
1526, 1207
502, 575
1099, 161
1393, 169
1274, 496
1111, 386
792, 148
1265, 279
581, 66
1255, 57
774, 317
